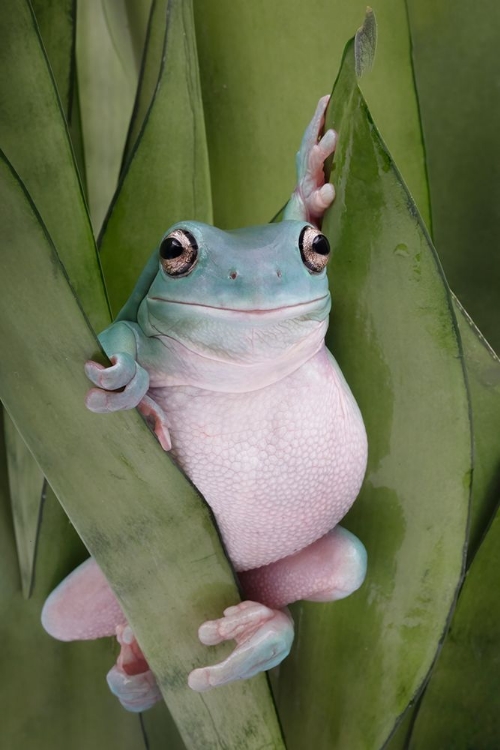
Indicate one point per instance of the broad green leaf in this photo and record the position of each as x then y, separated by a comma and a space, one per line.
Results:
56, 21
460, 706
358, 662
139, 517
456, 61
483, 373
34, 137
167, 178
263, 67
107, 81
26, 483
154, 53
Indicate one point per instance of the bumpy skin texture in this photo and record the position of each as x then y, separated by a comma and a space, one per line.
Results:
279, 466
221, 347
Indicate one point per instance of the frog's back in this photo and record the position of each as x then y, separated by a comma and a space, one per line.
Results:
279, 466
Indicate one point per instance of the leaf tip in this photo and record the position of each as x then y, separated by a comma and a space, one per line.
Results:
365, 43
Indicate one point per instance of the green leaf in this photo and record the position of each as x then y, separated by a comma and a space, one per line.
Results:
483, 372
167, 178
139, 517
263, 68
107, 80
358, 662
34, 137
26, 483
460, 706
56, 21
154, 53
455, 50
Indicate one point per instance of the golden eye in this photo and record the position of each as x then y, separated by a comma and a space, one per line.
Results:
178, 253
314, 249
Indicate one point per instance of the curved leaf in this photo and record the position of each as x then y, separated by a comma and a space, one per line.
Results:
33, 134
27, 484
154, 52
167, 178
358, 662
56, 20
455, 51
263, 67
140, 518
483, 372
107, 81
459, 709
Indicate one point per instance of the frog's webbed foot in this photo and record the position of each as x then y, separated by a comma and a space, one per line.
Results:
125, 373
131, 679
264, 637
83, 607
313, 196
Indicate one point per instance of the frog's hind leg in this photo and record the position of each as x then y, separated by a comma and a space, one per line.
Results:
83, 607
329, 569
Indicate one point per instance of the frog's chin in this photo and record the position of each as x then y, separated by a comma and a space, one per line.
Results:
319, 306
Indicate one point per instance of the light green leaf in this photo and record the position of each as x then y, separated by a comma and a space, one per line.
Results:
167, 178
154, 54
455, 51
358, 662
460, 706
263, 67
26, 483
107, 80
140, 518
56, 21
483, 372
34, 137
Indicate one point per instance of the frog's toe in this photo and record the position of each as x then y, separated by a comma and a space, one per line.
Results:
101, 400
111, 378
131, 679
136, 692
264, 637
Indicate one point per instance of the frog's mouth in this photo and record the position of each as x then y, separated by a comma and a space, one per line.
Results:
319, 304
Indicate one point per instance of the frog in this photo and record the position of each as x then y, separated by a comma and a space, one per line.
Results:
221, 347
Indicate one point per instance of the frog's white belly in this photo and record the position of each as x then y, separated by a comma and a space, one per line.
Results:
279, 466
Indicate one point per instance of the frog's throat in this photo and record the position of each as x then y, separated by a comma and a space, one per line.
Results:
184, 367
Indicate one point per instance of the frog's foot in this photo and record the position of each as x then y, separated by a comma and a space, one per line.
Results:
131, 679
264, 637
331, 568
124, 373
313, 196
83, 607
156, 417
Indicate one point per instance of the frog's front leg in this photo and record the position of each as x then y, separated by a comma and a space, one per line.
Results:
329, 569
312, 196
125, 384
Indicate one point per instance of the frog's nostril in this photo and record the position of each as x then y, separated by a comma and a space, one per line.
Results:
233, 274
279, 274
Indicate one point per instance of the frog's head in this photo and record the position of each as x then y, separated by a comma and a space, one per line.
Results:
245, 295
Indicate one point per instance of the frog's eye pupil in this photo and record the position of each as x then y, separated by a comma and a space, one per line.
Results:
171, 248
314, 249
178, 253
321, 245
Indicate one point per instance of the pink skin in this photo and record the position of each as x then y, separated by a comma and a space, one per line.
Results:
301, 553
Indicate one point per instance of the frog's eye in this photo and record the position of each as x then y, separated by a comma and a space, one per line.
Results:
314, 249
178, 253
